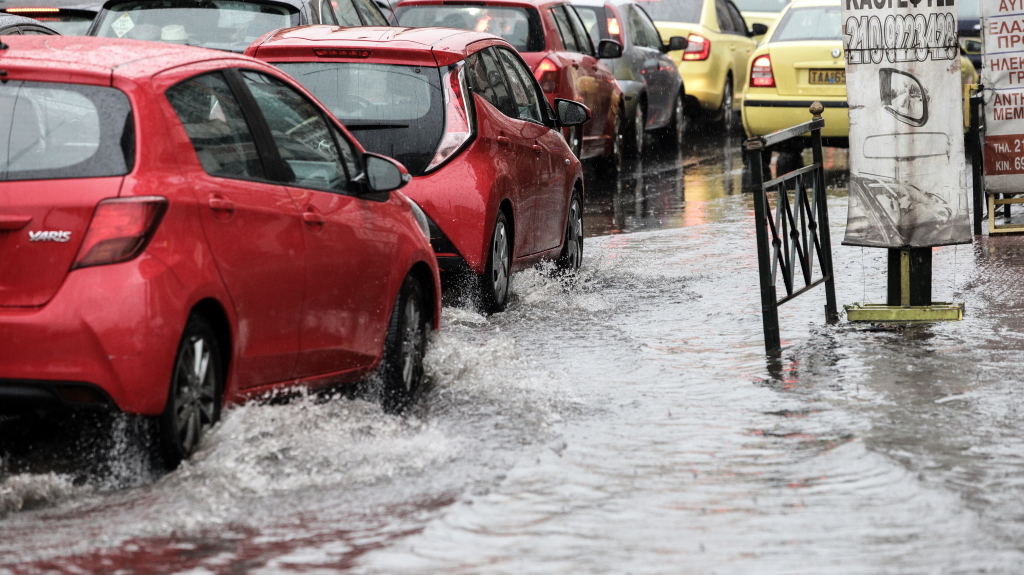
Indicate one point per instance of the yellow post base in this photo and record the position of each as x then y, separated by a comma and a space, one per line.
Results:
881, 313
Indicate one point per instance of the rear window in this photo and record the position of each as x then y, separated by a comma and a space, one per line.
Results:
393, 110
219, 24
761, 5
66, 22
812, 23
687, 11
520, 27
53, 131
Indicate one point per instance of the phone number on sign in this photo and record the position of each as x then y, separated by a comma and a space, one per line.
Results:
901, 38
1004, 155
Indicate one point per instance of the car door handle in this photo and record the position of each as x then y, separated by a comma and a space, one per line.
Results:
13, 223
313, 218
220, 204
504, 141
537, 149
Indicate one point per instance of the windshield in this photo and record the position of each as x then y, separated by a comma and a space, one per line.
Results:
813, 23
761, 5
218, 24
687, 11
521, 27
397, 111
50, 131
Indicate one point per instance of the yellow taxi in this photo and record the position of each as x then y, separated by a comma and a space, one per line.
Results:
714, 63
764, 12
802, 61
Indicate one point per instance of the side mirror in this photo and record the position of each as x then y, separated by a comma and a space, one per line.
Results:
675, 43
609, 49
384, 174
903, 96
571, 113
758, 30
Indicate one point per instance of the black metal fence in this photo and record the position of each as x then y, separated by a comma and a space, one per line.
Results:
798, 226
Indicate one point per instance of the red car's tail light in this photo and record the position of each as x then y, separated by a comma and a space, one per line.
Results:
458, 128
761, 73
699, 48
342, 53
120, 230
32, 10
547, 75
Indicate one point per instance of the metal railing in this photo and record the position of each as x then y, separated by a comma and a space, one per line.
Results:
794, 225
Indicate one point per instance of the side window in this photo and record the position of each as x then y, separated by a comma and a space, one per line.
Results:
348, 153
582, 37
737, 18
637, 32
215, 124
327, 15
724, 18
486, 79
345, 12
303, 138
565, 29
371, 13
650, 30
524, 90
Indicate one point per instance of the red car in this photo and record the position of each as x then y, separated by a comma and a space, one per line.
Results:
182, 228
462, 111
554, 42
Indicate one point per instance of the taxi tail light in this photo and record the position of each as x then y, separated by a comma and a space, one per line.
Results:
547, 76
458, 128
120, 229
698, 48
761, 73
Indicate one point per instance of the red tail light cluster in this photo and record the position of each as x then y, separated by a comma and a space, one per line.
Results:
120, 230
761, 73
343, 53
458, 127
547, 75
699, 48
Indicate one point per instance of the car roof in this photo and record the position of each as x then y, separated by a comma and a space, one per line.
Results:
531, 3
423, 46
87, 59
297, 4
92, 6
15, 20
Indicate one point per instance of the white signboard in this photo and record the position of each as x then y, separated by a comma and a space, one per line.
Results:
907, 169
1003, 77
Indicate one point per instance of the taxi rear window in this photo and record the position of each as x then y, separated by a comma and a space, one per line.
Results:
55, 131
812, 23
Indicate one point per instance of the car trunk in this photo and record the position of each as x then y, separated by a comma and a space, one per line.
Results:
808, 69
42, 224
63, 148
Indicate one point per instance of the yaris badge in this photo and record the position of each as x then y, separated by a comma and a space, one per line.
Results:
49, 236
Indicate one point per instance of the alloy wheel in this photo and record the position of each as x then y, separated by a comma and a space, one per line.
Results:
572, 254
500, 263
195, 392
638, 129
413, 341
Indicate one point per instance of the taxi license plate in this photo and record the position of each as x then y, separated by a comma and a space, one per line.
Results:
828, 76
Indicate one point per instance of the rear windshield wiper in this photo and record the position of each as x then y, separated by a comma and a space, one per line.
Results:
355, 126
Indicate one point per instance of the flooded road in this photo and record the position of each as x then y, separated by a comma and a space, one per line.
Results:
624, 421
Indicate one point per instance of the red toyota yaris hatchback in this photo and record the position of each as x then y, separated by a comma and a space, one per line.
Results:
462, 111
554, 42
180, 228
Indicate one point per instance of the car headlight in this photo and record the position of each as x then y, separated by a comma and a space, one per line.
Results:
421, 218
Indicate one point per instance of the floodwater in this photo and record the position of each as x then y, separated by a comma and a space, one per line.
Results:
622, 422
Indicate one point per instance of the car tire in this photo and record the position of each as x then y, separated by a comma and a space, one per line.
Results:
675, 132
571, 257
194, 394
612, 163
575, 141
494, 283
726, 113
635, 140
405, 345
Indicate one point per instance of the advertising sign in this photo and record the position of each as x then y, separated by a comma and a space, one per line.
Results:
1003, 77
907, 169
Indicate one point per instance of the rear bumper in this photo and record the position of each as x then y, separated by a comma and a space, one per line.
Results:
762, 116
110, 330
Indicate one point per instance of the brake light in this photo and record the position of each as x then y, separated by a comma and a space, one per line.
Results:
31, 10
761, 73
458, 128
613, 27
699, 48
120, 230
547, 75
342, 53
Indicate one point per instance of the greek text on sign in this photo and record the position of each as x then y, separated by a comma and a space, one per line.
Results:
1003, 77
